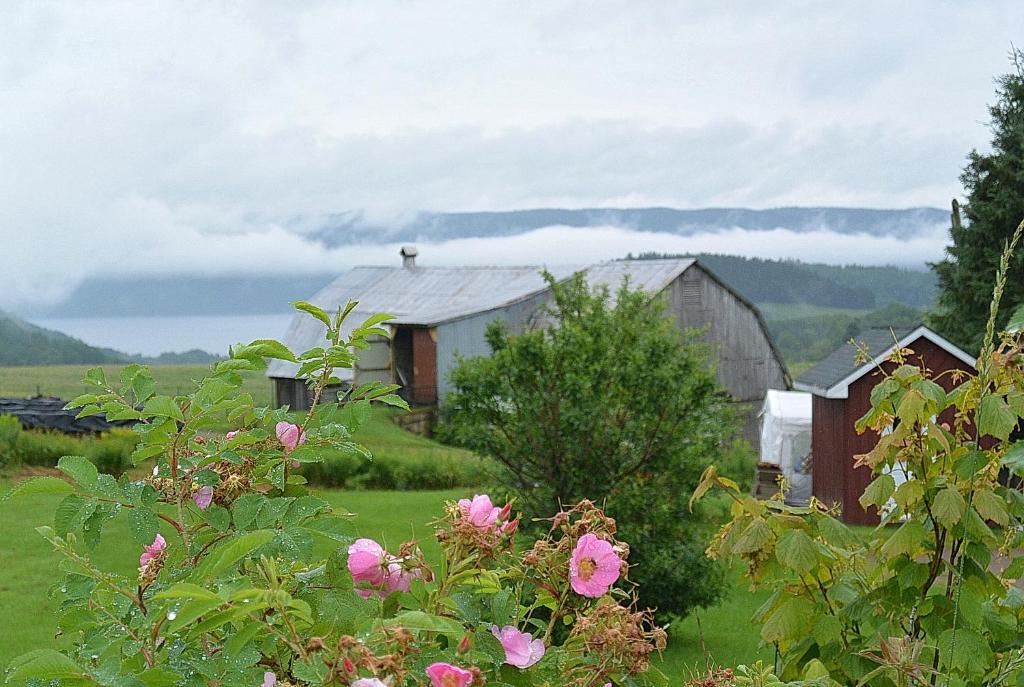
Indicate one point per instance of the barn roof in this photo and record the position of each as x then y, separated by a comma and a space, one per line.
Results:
833, 376
650, 275
430, 296
424, 296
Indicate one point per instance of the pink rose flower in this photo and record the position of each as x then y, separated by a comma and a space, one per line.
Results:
269, 679
447, 675
231, 435
480, 511
594, 566
152, 551
204, 497
521, 649
398, 579
366, 562
290, 436
369, 682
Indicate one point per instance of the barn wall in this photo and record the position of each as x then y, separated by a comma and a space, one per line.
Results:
746, 364
374, 363
828, 450
293, 393
841, 443
465, 338
741, 351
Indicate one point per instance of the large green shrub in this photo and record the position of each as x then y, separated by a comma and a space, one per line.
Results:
609, 402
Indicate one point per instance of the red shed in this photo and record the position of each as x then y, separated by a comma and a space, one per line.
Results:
841, 389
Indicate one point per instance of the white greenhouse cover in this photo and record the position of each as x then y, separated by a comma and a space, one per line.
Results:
786, 434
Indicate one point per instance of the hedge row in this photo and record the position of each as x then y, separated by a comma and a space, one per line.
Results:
111, 452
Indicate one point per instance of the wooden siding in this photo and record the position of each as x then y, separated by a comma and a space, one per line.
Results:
745, 360
465, 338
424, 366
835, 442
742, 353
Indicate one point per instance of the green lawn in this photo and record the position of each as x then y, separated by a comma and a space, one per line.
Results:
28, 566
65, 381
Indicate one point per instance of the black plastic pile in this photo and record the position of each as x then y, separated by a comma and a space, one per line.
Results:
48, 413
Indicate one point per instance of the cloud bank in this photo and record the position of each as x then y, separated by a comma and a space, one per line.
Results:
163, 137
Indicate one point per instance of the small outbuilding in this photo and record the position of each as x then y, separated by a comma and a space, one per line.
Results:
841, 387
786, 444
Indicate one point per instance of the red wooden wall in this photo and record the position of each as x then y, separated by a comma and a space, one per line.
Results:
424, 366
835, 442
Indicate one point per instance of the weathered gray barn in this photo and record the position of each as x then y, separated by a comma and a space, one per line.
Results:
443, 312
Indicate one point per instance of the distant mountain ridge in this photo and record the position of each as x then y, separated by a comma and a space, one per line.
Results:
23, 343
345, 228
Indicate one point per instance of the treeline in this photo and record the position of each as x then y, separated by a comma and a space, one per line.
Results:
808, 339
829, 286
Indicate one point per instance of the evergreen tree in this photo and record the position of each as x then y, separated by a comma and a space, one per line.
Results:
995, 206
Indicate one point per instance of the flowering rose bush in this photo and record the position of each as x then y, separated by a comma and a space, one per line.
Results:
246, 578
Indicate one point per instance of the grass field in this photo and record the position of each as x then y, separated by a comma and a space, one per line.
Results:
29, 566
65, 381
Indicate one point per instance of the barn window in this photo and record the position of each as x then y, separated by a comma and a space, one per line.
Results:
692, 296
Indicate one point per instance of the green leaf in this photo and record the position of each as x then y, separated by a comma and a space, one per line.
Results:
159, 676
79, 469
879, 491
187, 590
229, 554
1016, 322
1013, 459
967, 652
163, 406
996, 418
908, 493
43, 664
66, 514
905, 540
39, 485
269, 348
827, 629
143, 523
393, 400
949, 506
419, 621
754, 537
991, 507
318, 313
797, 551
192, 611
911, 405
791, 620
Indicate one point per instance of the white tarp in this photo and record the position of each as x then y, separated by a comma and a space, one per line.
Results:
786, 438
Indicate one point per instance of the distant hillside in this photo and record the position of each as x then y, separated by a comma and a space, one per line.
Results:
832, 286
22, 343
185, 295
352, 227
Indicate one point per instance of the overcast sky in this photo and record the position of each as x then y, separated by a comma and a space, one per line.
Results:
177, 136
